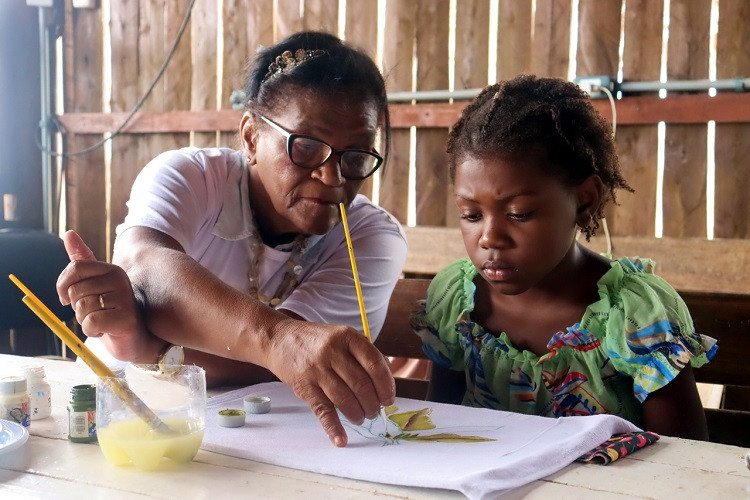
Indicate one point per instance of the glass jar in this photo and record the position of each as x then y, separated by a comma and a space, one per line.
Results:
40, 397
82, 414
14, 400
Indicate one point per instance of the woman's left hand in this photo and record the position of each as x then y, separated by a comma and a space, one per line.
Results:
104, 303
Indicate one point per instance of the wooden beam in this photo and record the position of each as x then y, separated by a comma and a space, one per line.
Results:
723, 108
145, 122
690, 264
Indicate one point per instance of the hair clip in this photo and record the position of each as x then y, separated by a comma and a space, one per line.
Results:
287, 61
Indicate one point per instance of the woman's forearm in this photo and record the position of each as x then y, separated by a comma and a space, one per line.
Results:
185, 304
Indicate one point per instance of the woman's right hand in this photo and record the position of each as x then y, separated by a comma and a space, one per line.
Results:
329, 367
104, 303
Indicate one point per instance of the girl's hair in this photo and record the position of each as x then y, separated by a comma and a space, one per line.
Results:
510, 116
322, 63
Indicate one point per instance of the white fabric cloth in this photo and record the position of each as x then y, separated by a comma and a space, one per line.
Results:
200, 197
525, 447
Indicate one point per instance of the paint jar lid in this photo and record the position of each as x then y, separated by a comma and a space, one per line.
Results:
257, 404
231, 418
33, 372
12, 385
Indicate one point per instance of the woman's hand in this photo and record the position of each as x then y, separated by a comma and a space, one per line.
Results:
102, 297
329, 367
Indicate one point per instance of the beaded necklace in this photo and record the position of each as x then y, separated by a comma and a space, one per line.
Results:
291, 277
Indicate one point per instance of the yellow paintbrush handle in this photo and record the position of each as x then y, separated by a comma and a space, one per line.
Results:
357, 286
70, 338
116, 384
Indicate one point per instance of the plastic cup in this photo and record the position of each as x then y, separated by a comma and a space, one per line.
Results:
177, 398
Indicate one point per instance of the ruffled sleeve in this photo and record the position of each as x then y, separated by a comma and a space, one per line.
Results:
450, 299
649, 334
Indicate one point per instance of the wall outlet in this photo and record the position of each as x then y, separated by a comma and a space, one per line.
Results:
592, 85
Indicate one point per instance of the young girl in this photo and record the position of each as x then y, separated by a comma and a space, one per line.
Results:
532, 321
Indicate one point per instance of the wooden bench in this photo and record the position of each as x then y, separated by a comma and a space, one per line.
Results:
725, 317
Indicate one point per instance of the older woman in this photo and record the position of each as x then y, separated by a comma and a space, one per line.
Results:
238, 256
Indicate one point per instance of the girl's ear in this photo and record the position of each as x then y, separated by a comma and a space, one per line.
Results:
248, 133
589, 198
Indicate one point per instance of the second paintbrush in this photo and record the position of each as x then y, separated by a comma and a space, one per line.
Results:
360, 300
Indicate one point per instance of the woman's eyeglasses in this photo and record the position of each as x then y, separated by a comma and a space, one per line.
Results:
309, 152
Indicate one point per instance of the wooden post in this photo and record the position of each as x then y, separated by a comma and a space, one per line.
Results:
637, 145
685, 149
361, 31
732, 146
550, 46
85, 174
432, 29
514, 30
125, 163
398, 52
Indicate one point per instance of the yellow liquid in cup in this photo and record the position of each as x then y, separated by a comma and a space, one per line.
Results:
133, 441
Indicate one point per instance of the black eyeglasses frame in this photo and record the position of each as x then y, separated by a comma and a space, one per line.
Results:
291, 136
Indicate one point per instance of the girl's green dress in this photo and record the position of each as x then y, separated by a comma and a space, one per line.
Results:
634, 340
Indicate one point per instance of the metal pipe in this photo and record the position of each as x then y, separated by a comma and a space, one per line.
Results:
45, 135
738, 84
433, 95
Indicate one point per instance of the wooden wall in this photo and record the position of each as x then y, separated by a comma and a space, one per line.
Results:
209, 61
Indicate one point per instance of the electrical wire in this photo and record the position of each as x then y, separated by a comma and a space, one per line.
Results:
140, 102
612, 105
611, 98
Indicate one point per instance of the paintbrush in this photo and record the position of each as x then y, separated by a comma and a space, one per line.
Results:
360, 300
116, 384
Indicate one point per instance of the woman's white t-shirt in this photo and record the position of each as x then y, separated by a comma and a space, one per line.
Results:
200, 197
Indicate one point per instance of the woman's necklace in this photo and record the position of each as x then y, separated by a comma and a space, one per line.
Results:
291, 277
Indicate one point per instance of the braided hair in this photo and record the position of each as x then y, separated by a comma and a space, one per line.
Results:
320, 62
510, 116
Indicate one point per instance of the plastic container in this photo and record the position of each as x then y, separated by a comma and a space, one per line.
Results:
178, 399
40, 395
14, 400
82, 414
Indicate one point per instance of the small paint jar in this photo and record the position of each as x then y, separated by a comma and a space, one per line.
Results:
14, 400
40, 397
82, 414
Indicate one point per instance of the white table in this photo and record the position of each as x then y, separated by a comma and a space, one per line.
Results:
50, 466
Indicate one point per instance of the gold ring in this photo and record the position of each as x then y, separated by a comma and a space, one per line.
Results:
101, 300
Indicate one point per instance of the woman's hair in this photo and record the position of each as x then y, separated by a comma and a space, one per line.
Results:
322, 63
527, 111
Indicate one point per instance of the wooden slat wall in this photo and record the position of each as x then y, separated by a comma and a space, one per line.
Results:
637, 145
550, 46
361, 31
472, 58
126, 159
732, 146
432, 74
398, 52
685, 152
204, 26
85, 175
514, 28
288, 18
531, 37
